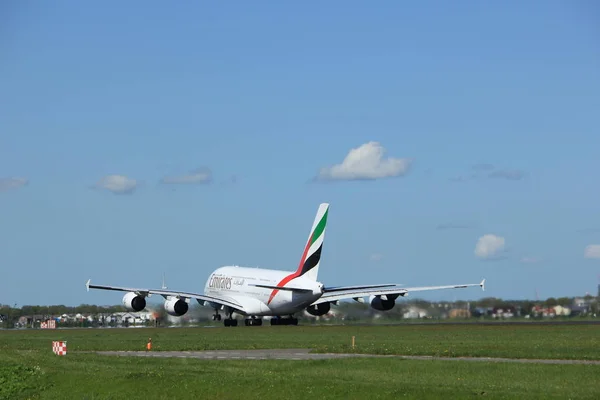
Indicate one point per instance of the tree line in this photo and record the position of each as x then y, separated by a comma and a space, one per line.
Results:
13, 313
56, 310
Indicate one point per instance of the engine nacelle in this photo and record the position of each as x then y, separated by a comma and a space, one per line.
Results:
176, 307
319, 309
134, 302
382, 305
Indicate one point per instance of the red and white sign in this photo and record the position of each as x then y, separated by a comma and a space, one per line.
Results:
59, 348
50, 324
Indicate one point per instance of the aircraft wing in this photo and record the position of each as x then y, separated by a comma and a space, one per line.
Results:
378, 290
345, 288
200, 298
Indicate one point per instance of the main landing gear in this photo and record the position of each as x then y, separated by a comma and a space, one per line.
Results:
253, 321
229, 321
284, 321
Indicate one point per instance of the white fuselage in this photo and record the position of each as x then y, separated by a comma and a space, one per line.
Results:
236, 283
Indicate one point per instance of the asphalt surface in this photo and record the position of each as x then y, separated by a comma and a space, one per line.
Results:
304, 354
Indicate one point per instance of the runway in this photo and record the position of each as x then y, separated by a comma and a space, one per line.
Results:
305, 354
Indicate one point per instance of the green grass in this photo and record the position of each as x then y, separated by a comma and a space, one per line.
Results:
88, 376
28, 368
515, 341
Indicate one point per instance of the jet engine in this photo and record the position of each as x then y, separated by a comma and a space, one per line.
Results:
176, 307
382, 305
134, 302
319, 309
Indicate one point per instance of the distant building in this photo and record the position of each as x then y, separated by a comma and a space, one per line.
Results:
414, 312
504, 312
581, 303
541, 311
459, 313
562, 311
482, 312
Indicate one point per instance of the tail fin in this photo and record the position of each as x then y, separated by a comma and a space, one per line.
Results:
311, 258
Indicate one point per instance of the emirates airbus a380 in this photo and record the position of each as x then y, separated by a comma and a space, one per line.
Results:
255, 292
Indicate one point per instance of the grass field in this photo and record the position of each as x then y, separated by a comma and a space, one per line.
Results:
28, 369
515, 341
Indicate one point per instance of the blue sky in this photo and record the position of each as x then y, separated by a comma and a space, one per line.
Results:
143, 138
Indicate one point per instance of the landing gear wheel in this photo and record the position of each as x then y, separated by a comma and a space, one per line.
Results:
230, 322
253, 322
284, 321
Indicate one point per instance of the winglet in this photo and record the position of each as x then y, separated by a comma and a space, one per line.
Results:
482, 284
87, 284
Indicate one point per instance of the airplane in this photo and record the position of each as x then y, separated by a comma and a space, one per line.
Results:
256, 292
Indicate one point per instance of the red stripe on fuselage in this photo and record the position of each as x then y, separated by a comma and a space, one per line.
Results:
295, 274
281, 284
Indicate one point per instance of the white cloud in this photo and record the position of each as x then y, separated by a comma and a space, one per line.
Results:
366, 162
489, 246
201, 175
12, 183
592, 251
117, 184
376, 257
530, 260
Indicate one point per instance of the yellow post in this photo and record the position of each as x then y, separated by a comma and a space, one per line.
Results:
352, 341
